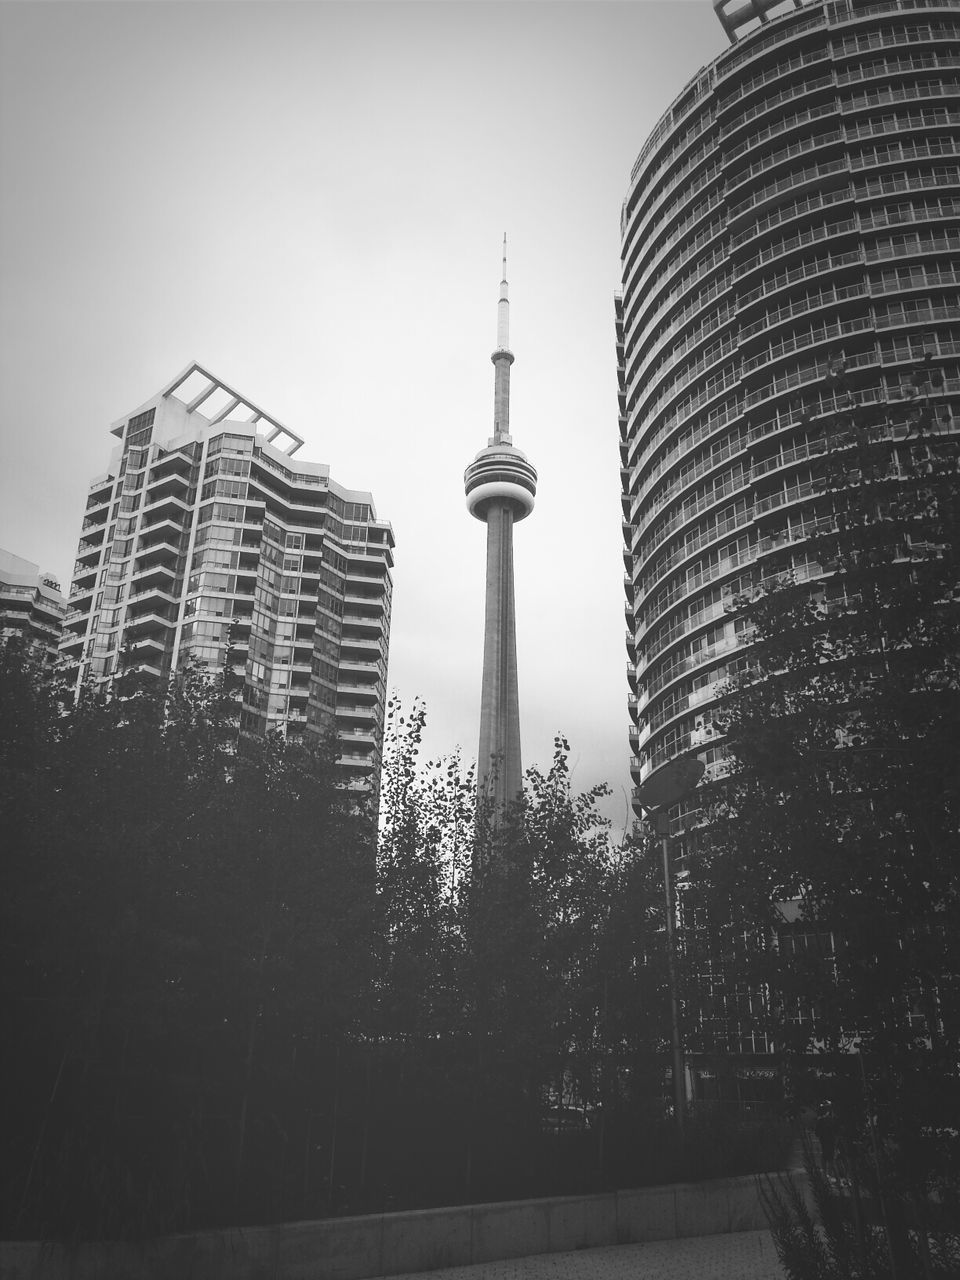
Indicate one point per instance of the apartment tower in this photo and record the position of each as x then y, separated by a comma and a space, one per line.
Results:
500, 486
791, 229
207, 539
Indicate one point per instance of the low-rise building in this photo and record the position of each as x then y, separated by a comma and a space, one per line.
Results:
31, 605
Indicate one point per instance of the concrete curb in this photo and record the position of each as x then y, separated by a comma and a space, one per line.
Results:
359, 1248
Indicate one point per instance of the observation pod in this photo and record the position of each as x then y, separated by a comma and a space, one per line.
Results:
500, 474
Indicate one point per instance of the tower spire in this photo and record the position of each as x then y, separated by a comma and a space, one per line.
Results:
503, 307
502, 360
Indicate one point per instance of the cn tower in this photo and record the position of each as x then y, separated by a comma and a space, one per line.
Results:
500, 485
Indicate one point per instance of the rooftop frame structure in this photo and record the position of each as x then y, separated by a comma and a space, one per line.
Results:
282, 437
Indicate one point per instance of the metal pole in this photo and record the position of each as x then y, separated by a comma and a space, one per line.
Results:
679, 1091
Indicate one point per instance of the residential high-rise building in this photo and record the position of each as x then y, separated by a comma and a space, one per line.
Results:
206, 539
500, 485
790, 254
31, 605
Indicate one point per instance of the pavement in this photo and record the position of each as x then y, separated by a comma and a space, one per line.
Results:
741, 1255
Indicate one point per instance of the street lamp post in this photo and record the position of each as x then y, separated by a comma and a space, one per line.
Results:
676, 1046
661, 790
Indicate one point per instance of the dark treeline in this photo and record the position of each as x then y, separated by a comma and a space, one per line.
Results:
217, 1011
842, 802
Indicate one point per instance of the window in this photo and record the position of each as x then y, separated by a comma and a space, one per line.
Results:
217, 606
215, 558
224, 489
218, 533
140, 429
228, 467
330, 602
221, 511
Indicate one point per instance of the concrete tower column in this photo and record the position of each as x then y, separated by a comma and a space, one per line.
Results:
500, 486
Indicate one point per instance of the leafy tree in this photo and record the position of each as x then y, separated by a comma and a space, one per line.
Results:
824, 902
182, 925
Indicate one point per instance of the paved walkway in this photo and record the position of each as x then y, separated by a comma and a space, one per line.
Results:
742, 1255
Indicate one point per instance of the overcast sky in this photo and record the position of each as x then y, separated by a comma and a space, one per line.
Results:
309, 200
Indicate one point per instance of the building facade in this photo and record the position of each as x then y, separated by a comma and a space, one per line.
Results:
791, 230
207, 540
31, 606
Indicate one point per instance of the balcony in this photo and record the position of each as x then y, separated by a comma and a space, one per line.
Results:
89, 552
158, 593
166, 505
356, 736
167, 523
357, 689
151, 624
84, 576
355, 710
365, 621
159, 574
159, 552
81, 598
360, 668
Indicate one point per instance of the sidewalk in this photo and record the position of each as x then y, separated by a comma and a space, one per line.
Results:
741, 1255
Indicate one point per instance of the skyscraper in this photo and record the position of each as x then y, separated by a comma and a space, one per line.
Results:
206, 539
500, 486
791, 235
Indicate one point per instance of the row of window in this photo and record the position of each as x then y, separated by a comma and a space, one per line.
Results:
657, 328
674, 216
904, 181
906, 34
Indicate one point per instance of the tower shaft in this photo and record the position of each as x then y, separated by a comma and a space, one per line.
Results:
499, 769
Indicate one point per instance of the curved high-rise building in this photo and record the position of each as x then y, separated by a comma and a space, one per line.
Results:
500, 486
791, 230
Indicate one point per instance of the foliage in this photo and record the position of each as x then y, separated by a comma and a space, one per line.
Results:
214, 1012
859, 1227
532, 1040
825, 913
182, 927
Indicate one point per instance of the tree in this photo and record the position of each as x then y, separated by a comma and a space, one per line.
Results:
512, 984
824, 881
186, 930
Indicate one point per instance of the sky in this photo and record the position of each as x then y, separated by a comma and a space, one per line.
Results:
309, 200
